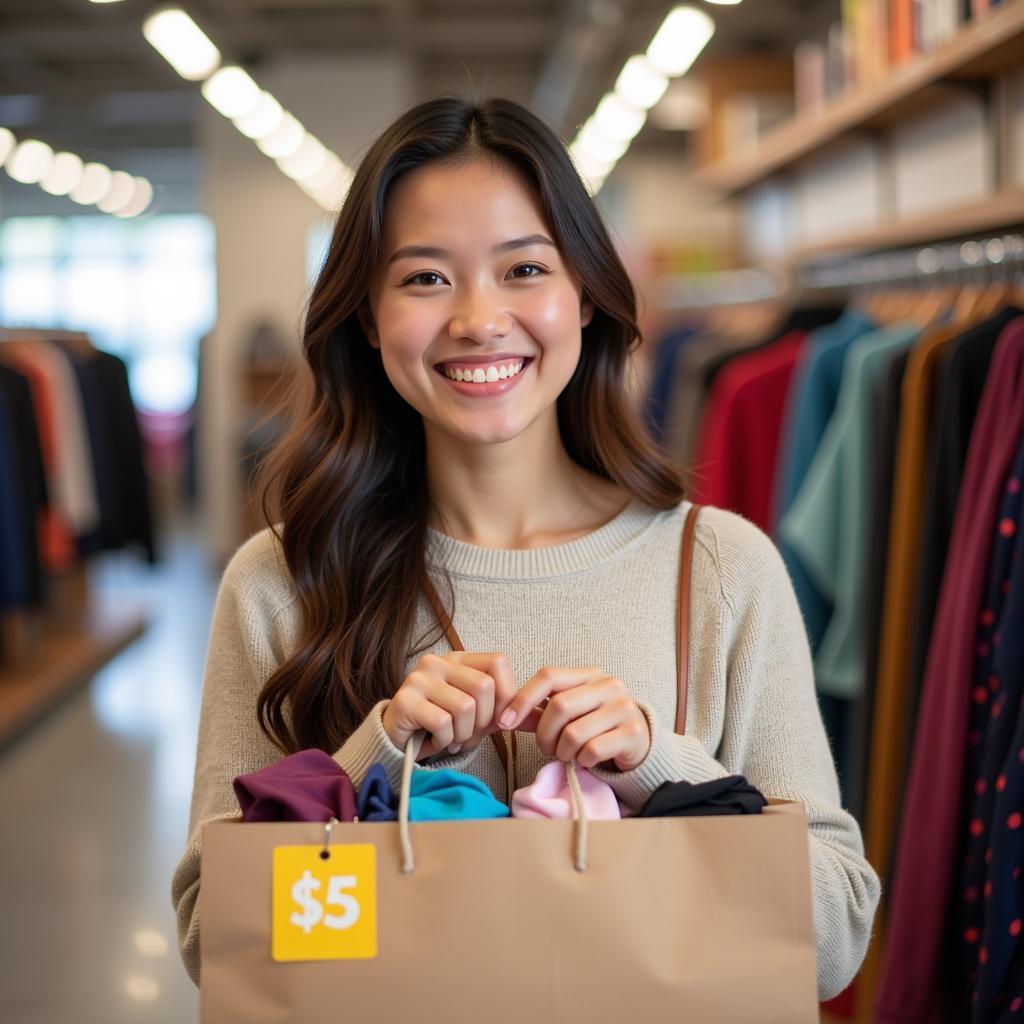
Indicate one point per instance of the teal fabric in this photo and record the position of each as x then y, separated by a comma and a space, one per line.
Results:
826, 526
812, 400
445, 795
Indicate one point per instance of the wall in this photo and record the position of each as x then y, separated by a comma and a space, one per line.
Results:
261, 220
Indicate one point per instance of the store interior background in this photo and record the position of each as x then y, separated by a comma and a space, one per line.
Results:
736, 181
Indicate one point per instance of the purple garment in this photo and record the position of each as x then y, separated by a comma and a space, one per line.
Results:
307, 786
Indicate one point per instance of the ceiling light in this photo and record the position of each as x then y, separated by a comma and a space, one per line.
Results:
640, 83
182, 43
122, 188
679, 41
65, 174
263, 119
306, 161
285, 139
94, 185
323, 176
231, 91
724, 3
617, 119
140, 201
30, 162
595, 143
588, 165
7, 144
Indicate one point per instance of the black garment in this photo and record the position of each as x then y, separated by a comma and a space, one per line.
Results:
886, 406
29, 481
131, 519
960, 380
729, 795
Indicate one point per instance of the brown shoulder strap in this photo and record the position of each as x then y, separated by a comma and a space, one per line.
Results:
504, 743
683, 607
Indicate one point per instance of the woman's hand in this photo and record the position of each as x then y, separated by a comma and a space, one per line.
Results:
454, 697
589, 717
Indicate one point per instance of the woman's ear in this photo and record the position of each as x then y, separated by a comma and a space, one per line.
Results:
586, 313
366, 322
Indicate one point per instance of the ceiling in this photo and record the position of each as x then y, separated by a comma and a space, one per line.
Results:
81, 76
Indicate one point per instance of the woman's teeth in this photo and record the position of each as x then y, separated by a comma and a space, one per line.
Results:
485, 374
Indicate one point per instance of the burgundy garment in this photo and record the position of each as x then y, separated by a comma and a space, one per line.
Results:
307, 786
738, 442
911, 990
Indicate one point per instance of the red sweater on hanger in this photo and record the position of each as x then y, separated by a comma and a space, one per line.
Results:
910, 992
739, 432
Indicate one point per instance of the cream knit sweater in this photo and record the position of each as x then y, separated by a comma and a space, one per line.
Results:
608, 599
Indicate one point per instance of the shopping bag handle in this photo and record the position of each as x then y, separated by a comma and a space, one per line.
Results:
412, 748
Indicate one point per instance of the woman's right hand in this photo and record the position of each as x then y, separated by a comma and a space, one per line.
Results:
455, 698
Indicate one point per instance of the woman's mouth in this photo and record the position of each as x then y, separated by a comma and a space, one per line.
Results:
482, 379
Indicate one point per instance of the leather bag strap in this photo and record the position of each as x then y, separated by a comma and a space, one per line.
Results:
683, 608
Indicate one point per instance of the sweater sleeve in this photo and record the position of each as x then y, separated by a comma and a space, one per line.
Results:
773, 735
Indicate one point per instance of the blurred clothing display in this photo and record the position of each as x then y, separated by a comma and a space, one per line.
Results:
71, 466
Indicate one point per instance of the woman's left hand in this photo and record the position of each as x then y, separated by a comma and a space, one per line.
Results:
588, 717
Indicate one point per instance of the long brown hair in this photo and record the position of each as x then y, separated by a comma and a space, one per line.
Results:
348, 484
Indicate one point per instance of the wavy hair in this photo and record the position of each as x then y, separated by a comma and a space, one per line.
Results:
348, 483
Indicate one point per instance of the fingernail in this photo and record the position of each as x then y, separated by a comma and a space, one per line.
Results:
454, 748
507, 718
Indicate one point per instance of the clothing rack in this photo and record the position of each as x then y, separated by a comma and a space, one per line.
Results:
945, 263
58, 640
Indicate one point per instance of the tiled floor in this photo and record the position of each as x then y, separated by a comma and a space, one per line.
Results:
94, 803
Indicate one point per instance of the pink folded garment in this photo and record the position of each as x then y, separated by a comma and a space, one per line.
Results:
549, 796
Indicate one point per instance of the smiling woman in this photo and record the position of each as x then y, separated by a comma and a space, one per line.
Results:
469, 429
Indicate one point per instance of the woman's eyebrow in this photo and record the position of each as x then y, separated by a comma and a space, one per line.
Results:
433, 252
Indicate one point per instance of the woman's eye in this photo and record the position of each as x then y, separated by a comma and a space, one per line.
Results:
528, 266
418, 278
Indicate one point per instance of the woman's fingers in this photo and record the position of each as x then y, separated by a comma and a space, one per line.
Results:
544, 684
568, 707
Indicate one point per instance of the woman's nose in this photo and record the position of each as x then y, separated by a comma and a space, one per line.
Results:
479, 319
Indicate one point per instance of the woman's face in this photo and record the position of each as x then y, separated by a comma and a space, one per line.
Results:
470, 285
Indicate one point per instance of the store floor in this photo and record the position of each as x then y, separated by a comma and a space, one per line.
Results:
94, 801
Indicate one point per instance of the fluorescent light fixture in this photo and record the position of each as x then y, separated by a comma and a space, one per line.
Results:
592, 141
120, 193
94, 185
231, 91
140, 201
30, 162
263, 119
306, 161
65, 174
640, 83
285, 139
679, 41
329, 170
7, 144
182, 43
724, 3
616, 119
588, 165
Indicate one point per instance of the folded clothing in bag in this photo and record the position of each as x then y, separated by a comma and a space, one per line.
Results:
307, 786
731, 794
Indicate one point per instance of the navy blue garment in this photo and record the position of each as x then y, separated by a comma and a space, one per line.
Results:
994, 711
28, 482
731, 794
1000, 982
376, 800
14, 568
663, 372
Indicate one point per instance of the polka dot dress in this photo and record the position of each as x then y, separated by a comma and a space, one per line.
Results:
990, 911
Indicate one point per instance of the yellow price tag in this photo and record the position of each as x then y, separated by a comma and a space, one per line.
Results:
324, 909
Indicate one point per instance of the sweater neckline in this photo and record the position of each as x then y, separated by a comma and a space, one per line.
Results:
460, 558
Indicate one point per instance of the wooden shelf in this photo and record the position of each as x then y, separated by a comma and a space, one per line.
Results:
999, 212
70, 656
980, 51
